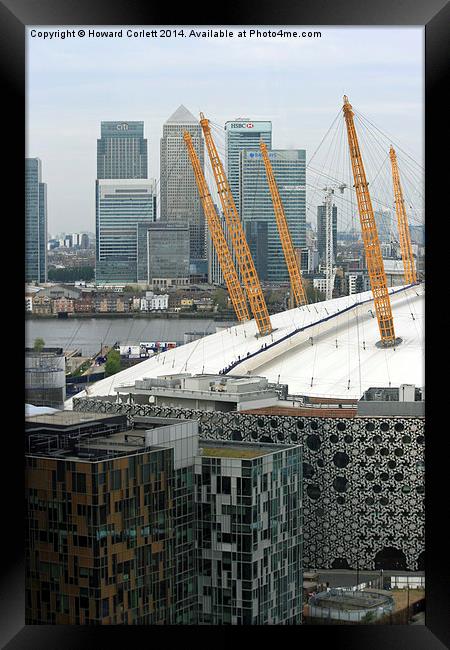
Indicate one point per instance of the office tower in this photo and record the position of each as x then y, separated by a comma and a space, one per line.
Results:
122, 150
84, 241
242, 134
256, 202
321, 232
100, 523
165, 246
121, 206
248, 533
256, 234
215, 275
35, 222
180, 200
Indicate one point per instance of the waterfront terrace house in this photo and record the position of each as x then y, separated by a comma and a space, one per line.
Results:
110, 302
84, 303
63, 305
42, 305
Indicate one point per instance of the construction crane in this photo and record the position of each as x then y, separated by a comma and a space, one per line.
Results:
402, 221
246, 265
377, 274
295, 276
230, 275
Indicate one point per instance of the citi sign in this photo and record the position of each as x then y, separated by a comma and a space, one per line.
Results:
122, 127
240, 125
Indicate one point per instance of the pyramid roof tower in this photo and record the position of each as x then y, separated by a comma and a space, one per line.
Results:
182, 116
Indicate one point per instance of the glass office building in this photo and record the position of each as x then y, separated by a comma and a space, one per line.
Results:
35, 222
167, 254
121, 207
180, 200
242, 134
289, 168
122, 150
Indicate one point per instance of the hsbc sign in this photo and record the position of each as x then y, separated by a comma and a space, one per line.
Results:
242, 125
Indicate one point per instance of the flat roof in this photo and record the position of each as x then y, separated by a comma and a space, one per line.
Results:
236, 450
69, 417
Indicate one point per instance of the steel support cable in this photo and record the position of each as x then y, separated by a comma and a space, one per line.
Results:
417, 176
388, 138
327, 153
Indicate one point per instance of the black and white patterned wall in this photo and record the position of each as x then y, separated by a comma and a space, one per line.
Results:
363, 479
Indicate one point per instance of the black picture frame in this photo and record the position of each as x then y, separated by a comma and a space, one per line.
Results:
15, 15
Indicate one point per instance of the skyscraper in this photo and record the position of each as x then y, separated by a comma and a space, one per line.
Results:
180, 200
121, 206
35, 222
256, 204
123, 200
242, 134
122, 150
321, 232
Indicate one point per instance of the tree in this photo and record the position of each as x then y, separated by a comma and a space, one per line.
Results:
82, 273
38, 344
220, 297
112, 364
313, 294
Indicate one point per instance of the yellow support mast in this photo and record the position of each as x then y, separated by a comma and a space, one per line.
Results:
230, 275
246, 265
295, 276
409, 268
377, 274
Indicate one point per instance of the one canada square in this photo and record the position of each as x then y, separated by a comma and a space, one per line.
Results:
180, 201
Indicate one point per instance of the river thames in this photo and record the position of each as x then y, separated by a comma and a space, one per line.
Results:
88, 334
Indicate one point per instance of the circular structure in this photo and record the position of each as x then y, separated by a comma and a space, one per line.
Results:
339, 371
352, 606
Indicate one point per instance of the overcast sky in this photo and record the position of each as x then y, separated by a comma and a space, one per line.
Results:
75, 83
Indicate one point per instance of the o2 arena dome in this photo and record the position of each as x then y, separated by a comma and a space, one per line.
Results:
326, 349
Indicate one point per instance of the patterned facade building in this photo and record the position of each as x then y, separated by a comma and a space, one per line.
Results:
248, 534
363, 479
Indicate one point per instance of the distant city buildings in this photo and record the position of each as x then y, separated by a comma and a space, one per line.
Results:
35, 222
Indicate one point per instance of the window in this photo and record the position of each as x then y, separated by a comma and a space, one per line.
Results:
79, 482
115, 479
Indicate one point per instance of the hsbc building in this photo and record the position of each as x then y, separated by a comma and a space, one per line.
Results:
243, 133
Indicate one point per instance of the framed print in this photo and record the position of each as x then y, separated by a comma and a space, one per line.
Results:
102, 98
